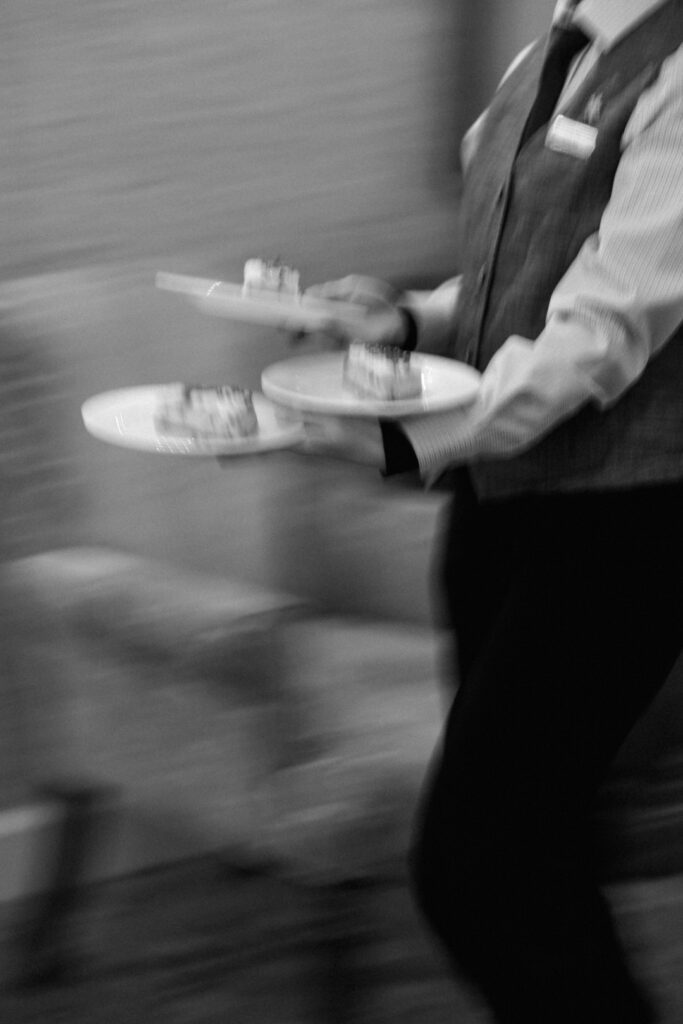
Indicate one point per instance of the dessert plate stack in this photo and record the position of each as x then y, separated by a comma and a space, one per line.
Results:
129, 417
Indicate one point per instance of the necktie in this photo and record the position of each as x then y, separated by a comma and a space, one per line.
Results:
564, 44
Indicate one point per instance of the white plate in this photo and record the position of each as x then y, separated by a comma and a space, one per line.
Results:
126, 418
313, 383
222, 298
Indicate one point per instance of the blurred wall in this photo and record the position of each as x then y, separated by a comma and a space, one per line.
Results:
141, 135
196, 134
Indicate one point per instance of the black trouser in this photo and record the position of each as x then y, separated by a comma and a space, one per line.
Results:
568, 615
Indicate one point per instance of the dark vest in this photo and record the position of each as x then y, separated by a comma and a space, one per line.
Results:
525, 219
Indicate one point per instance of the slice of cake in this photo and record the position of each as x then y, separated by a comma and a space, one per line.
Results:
206, 412
271, 278
382, 372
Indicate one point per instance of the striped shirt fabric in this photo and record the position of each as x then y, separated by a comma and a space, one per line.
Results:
615, 308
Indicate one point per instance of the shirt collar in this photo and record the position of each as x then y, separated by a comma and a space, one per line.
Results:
606, 21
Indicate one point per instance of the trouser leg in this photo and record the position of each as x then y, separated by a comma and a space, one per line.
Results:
568, 614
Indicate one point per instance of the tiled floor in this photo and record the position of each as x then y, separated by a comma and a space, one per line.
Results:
197, 945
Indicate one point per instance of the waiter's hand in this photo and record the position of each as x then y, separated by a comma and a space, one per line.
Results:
342, 437
377, 320
337, 437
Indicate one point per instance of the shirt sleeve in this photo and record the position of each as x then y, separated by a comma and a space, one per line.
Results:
617, 305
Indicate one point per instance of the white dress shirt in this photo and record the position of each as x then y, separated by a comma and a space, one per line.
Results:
614, 309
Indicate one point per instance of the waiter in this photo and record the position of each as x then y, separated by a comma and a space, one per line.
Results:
563, 555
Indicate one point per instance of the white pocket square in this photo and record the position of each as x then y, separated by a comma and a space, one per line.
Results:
571, 137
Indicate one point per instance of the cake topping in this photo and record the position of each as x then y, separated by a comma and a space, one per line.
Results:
198, 411
382, 372
270, 276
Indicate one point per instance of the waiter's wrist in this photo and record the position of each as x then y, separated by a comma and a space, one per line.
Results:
399, 455
409, 340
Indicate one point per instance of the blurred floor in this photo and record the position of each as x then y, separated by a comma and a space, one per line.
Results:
195, 944
198, 944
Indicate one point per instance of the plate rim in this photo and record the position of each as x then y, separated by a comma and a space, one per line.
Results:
367, 408
227, 299
287, 436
